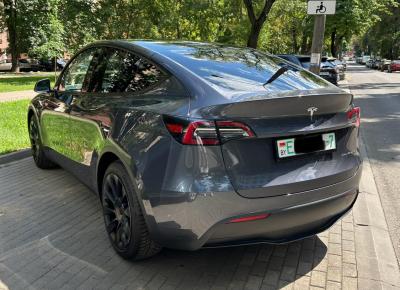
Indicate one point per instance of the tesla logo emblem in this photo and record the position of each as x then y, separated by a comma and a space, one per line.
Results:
312, 110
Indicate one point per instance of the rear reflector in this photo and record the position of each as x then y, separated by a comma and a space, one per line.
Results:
249, 218
206, 132
354, 115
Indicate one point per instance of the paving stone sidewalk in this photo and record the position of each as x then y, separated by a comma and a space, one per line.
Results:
13, 96
52, 237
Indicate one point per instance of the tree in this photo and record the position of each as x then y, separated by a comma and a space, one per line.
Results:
32, 27
288, 32
383, 38
256, 22
12, 19
353, 17
46, 38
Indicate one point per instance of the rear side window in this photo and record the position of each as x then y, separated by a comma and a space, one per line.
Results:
126, 72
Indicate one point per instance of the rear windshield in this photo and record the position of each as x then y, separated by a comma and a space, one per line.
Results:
237, 69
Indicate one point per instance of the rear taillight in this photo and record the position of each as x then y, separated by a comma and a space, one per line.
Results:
206, 132
354, 115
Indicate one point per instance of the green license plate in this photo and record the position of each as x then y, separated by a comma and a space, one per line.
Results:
286, 147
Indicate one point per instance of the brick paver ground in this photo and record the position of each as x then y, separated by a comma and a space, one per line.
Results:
52, 237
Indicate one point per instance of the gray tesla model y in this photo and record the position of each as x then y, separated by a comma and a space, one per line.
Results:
192, 145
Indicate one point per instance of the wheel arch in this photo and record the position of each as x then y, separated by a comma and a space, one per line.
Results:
31, 113
105, 160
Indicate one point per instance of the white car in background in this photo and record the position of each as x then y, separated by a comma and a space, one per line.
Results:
24, 65
365, 59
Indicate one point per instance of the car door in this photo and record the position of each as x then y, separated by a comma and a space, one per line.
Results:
88, 117
5, 65
55, 123
116, 75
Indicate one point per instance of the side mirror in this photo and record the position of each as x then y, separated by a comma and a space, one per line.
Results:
42, 86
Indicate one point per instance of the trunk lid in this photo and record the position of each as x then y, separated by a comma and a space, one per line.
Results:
253, 165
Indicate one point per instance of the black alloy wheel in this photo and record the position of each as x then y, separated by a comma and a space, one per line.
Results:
116, 210
38, 154
34, 138
123, 218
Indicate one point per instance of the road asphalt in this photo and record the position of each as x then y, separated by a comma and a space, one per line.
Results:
378, 95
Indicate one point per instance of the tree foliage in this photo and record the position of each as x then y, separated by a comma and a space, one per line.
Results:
383, 38
46, 28
353, 18
288, 32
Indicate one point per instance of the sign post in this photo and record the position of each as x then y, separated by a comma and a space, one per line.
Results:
320, 9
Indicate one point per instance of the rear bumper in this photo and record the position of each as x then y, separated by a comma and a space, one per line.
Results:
203, 220
285, 226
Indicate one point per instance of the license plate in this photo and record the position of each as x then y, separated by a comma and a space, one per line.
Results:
287, 148
324, 73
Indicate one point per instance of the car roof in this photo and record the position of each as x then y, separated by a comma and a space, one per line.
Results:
220, 73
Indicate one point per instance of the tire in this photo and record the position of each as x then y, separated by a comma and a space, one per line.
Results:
123, 218
38, 154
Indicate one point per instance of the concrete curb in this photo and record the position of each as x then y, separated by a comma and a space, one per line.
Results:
15, 156
377, 264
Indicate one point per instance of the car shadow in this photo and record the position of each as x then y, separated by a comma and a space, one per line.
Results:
274, 265
66, 246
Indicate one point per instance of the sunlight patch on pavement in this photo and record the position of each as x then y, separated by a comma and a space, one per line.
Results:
3, 286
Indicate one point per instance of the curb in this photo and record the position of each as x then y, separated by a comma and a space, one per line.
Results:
15, 156
376, 260
377, 265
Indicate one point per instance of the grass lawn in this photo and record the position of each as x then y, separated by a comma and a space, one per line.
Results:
13, 126
21, 83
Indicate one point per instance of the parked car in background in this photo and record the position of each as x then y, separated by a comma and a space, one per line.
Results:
384, 64
36, 65
375, 63
378, 63
368, 64
394, 66
344, 62
328, 71
364, 59
24, 65
48, 64
191, 145
5, 65
340, 66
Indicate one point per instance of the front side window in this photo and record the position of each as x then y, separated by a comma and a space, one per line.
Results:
127, 72
74, 77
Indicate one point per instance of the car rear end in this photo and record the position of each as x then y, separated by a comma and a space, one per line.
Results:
253, 162
395, 66
328, 71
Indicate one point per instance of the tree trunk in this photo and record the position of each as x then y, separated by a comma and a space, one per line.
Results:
252, 41
294, 39
333, 43
304, 44
338, 46
11, 22
256, 23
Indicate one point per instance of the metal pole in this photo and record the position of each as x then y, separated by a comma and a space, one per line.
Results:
317, 43
55, 70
